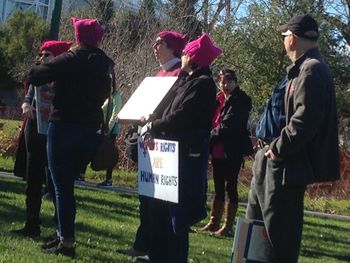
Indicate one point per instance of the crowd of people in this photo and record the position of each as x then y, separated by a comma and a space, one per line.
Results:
297, 138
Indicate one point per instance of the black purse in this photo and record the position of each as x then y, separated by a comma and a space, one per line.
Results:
107, 154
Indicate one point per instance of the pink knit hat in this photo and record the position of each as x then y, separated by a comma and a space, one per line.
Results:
202, 51
87, 31
174, 40
56, 47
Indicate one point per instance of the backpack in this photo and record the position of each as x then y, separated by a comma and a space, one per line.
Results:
273, 119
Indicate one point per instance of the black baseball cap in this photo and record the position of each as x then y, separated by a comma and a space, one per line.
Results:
301, 25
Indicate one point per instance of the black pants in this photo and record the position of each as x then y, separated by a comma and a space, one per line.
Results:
109, 171
36, 172
225, 175
142, 234
281, 207
166, 245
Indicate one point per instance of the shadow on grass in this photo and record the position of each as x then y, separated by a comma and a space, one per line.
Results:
320, 240
316, 254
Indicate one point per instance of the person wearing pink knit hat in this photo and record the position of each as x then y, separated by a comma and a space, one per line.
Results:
186, 119
87, 31
167, 49
82, 80
35, 139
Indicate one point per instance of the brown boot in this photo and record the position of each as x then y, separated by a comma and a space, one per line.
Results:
217, 209
226, 230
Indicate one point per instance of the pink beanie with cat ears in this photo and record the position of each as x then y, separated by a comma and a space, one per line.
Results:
202, 51
87, 31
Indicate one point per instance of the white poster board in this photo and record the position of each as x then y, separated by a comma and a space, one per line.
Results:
146, 98
251, 243
158, 170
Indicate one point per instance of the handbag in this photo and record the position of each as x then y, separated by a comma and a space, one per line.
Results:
107, 154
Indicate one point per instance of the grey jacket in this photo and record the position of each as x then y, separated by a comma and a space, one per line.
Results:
308, 144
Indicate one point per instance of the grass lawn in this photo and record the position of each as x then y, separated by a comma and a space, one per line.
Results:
107, 221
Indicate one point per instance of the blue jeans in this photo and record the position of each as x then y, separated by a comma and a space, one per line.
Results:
69, 147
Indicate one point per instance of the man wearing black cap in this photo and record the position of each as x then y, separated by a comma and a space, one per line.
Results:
306, 150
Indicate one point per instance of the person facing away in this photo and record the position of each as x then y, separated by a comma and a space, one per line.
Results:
228, 138
36, 106
306, 150
82, 83
187, 119
167, 50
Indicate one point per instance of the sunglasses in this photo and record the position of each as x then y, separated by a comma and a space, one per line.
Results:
158, 42
45, 55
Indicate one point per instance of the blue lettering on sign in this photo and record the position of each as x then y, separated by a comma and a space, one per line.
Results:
149, 177
167, 147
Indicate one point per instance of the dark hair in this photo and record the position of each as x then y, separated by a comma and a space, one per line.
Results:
228, 74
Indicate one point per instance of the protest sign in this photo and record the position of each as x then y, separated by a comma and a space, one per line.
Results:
145, 99
251, 243
43, 99
158, 170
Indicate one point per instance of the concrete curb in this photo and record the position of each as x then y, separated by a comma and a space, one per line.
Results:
124, 190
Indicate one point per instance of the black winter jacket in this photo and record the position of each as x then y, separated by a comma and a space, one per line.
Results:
82, 83
232, 131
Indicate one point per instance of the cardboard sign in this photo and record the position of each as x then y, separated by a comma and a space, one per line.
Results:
146, 98
158, 170
251, 243
43, 99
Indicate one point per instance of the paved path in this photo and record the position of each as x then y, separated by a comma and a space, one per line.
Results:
118, 189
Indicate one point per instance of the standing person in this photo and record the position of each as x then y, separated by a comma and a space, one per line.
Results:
187, 119
306, 150
228, 138
35, 140
167, 51
113, 126
83, 78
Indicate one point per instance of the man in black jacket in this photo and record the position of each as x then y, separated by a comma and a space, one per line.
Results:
306, 150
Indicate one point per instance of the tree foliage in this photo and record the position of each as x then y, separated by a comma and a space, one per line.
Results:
19, 34
246, 30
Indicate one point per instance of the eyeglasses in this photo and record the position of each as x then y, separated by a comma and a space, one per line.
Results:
158, 42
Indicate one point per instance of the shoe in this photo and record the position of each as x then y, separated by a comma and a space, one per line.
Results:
51, 243
62, 250
105, 183
50, 238
28, 231
132, 252
144, 258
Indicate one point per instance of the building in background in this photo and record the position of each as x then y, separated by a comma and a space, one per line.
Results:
42, 7
45, 7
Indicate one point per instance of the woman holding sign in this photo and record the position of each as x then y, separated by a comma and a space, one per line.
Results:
187, 119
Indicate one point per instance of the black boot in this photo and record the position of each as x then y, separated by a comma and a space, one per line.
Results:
30, 229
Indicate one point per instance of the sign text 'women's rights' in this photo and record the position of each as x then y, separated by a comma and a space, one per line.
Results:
158, 170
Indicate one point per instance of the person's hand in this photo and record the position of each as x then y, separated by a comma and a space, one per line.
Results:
214, 132
146, 129
149, 141
28, 110
269, 154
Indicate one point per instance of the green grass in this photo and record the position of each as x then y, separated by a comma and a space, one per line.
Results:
107, 221
11, 127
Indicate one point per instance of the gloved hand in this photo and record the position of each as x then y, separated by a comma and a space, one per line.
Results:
28, 110
146, 129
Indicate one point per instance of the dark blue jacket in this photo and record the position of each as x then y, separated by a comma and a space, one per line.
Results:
273, 119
